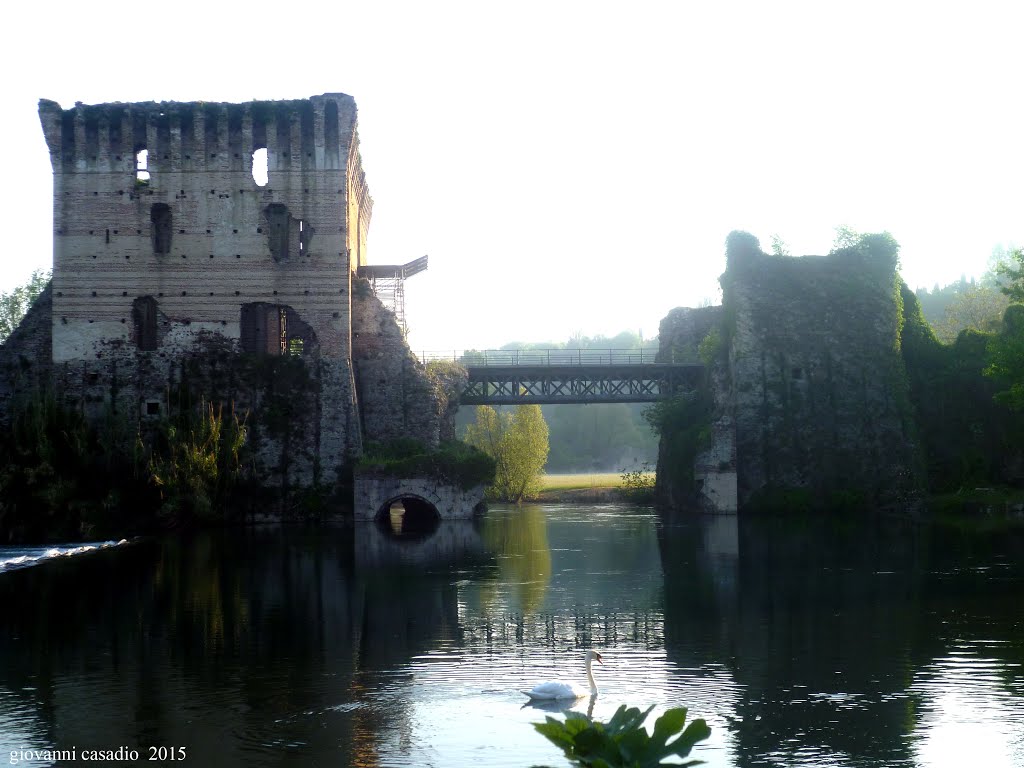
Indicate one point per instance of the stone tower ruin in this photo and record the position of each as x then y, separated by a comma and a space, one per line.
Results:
175, 267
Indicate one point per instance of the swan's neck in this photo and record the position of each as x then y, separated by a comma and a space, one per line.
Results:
590, 679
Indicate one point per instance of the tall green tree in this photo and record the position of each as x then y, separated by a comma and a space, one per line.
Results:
846, 237
15, 305
1006, 350
1011, 274
779, 246
976, 308
1006, 358
518, 443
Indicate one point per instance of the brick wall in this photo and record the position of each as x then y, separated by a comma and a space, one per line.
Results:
291, 243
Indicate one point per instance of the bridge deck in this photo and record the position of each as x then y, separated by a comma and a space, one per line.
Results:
577, 383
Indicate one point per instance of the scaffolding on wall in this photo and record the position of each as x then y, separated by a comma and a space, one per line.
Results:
387, 281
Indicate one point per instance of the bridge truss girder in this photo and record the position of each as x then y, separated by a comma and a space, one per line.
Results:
544, 384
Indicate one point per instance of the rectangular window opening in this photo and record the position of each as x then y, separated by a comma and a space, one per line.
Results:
162, 224
144, 315
142, 167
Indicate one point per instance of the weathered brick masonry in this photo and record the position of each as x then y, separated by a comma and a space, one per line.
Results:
808, 386
189, 270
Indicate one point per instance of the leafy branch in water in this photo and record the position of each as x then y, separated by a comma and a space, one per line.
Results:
623, 742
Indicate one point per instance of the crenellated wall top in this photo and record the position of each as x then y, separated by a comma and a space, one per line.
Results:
299, 135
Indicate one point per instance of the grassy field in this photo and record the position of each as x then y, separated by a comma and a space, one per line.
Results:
583, 480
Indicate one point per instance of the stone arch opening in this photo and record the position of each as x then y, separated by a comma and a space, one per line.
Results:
408, 517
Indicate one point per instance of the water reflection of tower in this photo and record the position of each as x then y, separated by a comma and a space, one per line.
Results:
826, 618
452, 542
700, 564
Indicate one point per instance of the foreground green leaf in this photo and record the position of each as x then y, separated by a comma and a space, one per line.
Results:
623, 742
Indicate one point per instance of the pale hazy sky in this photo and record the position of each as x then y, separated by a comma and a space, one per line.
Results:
576, 166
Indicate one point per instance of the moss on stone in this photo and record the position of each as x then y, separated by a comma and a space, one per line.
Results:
454, 462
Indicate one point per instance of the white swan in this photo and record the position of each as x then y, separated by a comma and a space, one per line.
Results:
558, 690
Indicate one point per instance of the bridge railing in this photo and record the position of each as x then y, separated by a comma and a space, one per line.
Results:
506, 357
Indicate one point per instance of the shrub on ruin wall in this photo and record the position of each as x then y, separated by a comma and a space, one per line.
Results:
449, 379
195, 464
61, 478
454, 462
684, 425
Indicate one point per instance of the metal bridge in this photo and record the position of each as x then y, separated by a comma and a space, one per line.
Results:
552, 376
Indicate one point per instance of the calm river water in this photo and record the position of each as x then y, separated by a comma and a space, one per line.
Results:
868, 644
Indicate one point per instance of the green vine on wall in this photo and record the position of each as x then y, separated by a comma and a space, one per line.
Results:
684, 424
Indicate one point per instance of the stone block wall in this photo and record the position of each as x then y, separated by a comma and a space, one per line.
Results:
819, 391
806, 383
396, 396
681, 336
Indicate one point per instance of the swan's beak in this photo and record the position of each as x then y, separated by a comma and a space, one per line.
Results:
599, 658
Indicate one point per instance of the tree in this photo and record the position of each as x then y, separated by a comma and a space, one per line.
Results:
15, 305
846, 237
779, 246
1006, 358
518, 443
977, 308
1012, 275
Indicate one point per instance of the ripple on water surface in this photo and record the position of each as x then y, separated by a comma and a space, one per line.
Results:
12, 558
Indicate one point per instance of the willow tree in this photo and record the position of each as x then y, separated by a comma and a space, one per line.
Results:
518, 443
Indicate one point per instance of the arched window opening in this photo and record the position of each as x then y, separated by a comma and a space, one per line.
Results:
142, 167
409, 517
162, 227
260, 173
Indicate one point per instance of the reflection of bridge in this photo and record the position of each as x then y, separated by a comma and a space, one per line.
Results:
512, 377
